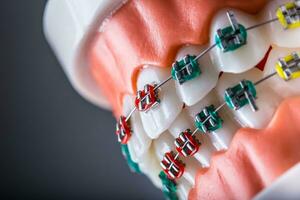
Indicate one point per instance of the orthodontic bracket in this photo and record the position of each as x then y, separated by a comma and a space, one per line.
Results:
231, 37
240, 95
185, 69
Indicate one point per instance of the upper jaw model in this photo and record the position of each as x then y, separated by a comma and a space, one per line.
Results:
206, 92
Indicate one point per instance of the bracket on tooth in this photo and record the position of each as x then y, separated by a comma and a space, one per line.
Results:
240, 95
134, 167
185, 69
169, 187
172, 166
186, 144
289, 14
147, 98
208, 120
289, 67
123, 130
232, 37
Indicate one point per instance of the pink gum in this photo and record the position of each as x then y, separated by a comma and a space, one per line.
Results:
255, 158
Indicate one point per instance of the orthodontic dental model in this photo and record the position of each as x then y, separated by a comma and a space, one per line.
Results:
177, 175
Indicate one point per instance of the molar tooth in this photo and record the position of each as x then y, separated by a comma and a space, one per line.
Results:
193, 90
183, 122
220, 138
278, 35
267, 101
159, 118
139, 142
282, 88
245, 57
165, 143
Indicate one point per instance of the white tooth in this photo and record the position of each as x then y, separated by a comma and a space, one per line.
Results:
245, 57
139, 142
183, 188
159, 118
194, 90
220, 138
183, 122
267, 101
276, 32
206, 150
165, 143
282, 88
150, 166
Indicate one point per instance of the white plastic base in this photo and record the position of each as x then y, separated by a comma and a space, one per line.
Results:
68, 26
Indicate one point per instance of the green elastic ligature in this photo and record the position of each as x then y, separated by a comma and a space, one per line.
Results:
185, 69
240, 95
169, 187
231, 37
208, 120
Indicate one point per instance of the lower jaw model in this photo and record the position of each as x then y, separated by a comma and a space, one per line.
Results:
206, 92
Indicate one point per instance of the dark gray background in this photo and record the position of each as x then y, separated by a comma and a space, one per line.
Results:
53, 144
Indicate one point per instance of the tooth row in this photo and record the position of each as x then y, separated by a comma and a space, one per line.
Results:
191, 71
220, 139
156, 119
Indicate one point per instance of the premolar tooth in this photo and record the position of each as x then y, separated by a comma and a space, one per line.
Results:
282, 88
158, 119
245, 57
280, 36
193, 90
267, 101
139, 142
220, 138
183, 122
165, 143
205, 152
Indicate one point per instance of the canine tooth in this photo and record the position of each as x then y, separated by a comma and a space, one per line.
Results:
282, 88
193, 90
220, 138
165, 143
279, 36
159, 118
245, 57
267, 101
139, 142
183, 122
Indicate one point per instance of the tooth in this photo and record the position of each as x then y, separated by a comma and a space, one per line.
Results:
206, 150
193, 90
183, 188
276, 32
267, 101
149, 165
220, 138
245, 57
159, 118
183, 122
282, 88
165, 143
139, 142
